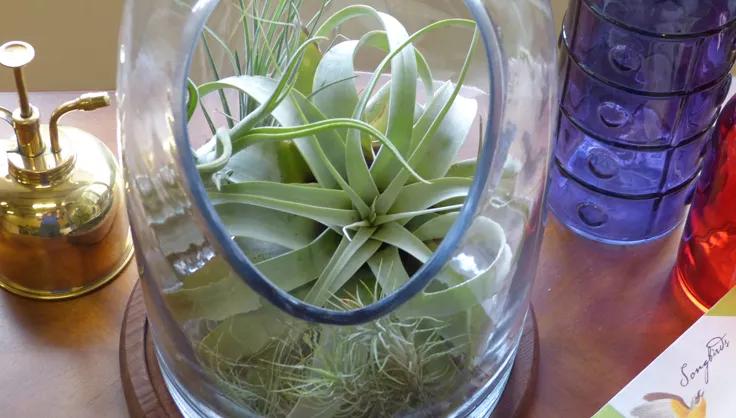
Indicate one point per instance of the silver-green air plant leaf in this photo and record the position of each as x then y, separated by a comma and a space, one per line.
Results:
371, 185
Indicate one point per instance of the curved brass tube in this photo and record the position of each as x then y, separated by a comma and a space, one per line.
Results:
85, 102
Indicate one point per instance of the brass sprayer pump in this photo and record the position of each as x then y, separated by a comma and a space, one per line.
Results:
63, 228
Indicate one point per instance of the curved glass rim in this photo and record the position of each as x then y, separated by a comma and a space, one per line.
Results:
253, 278
664, 36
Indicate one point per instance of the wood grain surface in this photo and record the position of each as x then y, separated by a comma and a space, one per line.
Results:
603, 313
59, 359
515, 399
145, 390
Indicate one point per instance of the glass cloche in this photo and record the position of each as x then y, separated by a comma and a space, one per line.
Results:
337, 205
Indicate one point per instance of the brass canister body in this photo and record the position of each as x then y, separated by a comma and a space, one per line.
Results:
67, 235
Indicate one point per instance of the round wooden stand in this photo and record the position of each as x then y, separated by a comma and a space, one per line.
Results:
148, 397
143, 384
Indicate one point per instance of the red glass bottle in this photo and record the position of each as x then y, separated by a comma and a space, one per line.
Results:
706, 266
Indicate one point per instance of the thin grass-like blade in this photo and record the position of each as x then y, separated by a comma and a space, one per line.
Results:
256, 135
437, 228
443, 147
192, 98
224, 152
216, 73
330, 148
384, 169
268, 104
379, 40
308, 67
388, 268
299, 193
268, 225
376, 113
420, 196
297, 268
401, 238
349, 257
404, 217
324, 215
214, 301
330, 143
334, 82
463, 169
243, 335
474, 290
263, 90
423, 146
403, 96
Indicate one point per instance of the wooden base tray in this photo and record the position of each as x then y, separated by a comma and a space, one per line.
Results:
148, 397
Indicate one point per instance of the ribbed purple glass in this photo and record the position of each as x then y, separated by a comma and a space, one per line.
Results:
642, 82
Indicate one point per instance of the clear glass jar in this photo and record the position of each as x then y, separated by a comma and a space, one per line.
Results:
331, 229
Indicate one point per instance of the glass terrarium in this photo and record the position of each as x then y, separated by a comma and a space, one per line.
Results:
337, 205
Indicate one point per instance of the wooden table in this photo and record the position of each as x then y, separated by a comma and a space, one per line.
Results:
60, 359
604, 313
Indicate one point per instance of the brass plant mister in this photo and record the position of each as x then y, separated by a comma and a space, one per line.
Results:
63, 227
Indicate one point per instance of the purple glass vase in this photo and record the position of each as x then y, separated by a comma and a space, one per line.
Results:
642, 83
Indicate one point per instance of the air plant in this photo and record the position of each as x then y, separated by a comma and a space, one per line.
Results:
376, 369
338, 185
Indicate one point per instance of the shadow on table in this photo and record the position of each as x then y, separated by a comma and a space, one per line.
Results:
79, 322
604, 312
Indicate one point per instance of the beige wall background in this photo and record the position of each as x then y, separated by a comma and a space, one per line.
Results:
76, 41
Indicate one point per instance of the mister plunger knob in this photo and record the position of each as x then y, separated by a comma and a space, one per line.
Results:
15, 55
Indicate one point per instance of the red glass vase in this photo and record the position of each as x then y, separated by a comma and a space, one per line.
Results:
706, 266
